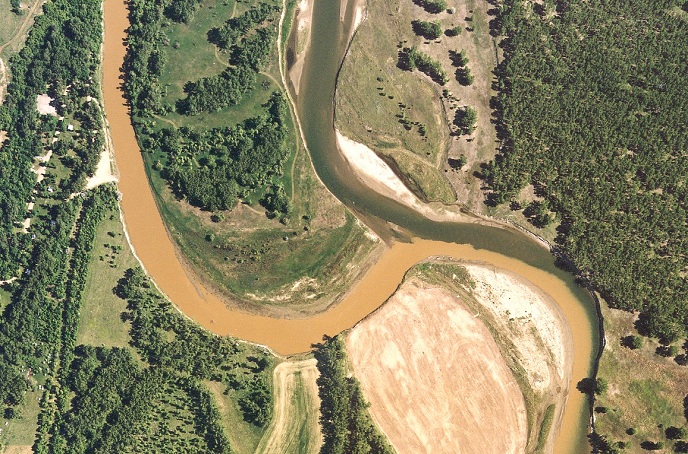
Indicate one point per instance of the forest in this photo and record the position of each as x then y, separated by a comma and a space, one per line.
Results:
213, 168
94, 398
346, 424
591, 112
67, 50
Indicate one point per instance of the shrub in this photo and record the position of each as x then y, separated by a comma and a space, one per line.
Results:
426, 29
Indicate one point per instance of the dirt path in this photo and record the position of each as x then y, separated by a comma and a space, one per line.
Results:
435, 377
4, 80
295, 423
23, 27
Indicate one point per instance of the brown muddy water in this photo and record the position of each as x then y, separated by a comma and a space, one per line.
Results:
502, 248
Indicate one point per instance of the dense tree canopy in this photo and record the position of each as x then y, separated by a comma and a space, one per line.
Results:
592, 112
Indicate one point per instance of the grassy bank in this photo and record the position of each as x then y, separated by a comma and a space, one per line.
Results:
300, 260
646, 391
405, 116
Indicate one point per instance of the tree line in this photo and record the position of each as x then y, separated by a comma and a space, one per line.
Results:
591, 112
344, 418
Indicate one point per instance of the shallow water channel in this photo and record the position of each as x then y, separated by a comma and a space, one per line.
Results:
504, 248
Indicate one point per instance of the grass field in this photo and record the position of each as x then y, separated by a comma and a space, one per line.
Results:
646, 391
192, 57
100, 323
243, 437
14, 27
385, 107
4, 298
21, 431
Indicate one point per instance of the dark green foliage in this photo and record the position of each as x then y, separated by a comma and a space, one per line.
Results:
256, 403
247, 57
164, 338
597, 386
676, 433
632, 342
538, 213
232, 30
427, 29
602, 445
681, 446
216, 92
652, 445
432, 6
60, 50
667, 351
465, 119
213, 169
276, 201
454, 31
16, 6
181, 10
346, 424
603, 135
412, 58
237, 159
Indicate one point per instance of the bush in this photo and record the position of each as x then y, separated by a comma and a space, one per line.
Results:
632, 342
465, 119
454, 31
426, 29
676, 433
432, 6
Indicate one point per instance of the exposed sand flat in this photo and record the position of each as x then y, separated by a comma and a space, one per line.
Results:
377, 175
43, 105
103, 171
435, 377
533, 321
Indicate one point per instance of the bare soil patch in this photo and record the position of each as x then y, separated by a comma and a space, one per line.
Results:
435, 377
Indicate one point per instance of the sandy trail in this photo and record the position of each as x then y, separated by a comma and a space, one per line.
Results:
296, 410
435, 377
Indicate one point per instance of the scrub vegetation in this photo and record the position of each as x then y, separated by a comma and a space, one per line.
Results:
403, 93
644, 403
591, 113
234, 184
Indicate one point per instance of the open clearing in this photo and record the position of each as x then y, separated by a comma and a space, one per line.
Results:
435, 377
295, 425
646, 391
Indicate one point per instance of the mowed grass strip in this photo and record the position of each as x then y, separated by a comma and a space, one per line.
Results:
101, 322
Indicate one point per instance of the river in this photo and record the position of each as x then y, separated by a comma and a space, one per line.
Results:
503, 248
